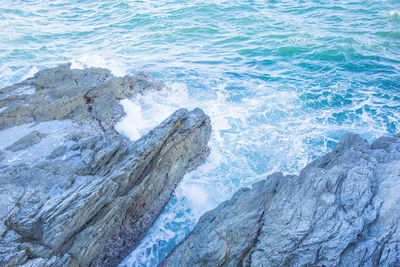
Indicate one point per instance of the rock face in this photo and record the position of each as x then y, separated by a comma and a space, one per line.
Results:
77, 193
61, 93
343, 209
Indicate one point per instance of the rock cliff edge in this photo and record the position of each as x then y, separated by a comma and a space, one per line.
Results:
74, 192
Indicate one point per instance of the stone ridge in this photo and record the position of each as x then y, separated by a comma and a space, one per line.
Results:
90, 200
343, 209
88, 95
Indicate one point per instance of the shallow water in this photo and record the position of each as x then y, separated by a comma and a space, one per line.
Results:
281, 80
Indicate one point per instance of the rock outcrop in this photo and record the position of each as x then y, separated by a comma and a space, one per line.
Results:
60, 93
74, 192
343, 209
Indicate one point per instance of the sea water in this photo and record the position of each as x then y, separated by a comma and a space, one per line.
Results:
281, 80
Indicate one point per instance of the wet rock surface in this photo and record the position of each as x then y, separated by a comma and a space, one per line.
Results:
75, 192
343, 209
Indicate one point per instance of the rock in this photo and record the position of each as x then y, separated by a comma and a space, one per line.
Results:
27, 141
89, 95
343, 209
93, 205
58, 151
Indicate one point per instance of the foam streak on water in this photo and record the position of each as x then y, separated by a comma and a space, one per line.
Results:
281, 80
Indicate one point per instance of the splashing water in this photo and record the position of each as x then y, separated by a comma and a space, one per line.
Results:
281, 80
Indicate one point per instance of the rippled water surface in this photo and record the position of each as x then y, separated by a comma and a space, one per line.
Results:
281, 80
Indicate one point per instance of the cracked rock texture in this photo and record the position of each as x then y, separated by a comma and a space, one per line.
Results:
94, 195
343, 209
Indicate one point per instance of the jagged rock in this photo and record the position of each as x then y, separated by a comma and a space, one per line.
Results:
343, 209
61, 93
27, 141
94, 204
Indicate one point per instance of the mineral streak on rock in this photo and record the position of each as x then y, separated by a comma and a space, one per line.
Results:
94, 197
343, 209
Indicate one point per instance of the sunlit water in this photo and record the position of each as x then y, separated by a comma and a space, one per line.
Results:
281, 80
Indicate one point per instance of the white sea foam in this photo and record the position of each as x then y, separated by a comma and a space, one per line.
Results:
213, 182
91, 59
32, 70
10, 75
146, 111
169, 227
8, 27
395, 15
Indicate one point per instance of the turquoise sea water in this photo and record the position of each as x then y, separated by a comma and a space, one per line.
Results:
281, 80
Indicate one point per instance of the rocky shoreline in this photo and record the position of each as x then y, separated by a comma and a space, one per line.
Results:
343, 209
74, 192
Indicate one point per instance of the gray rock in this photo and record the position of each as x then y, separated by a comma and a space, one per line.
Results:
343, 209
74, 136
93, 205
27, 141
89, 96
74, 146
58, 151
